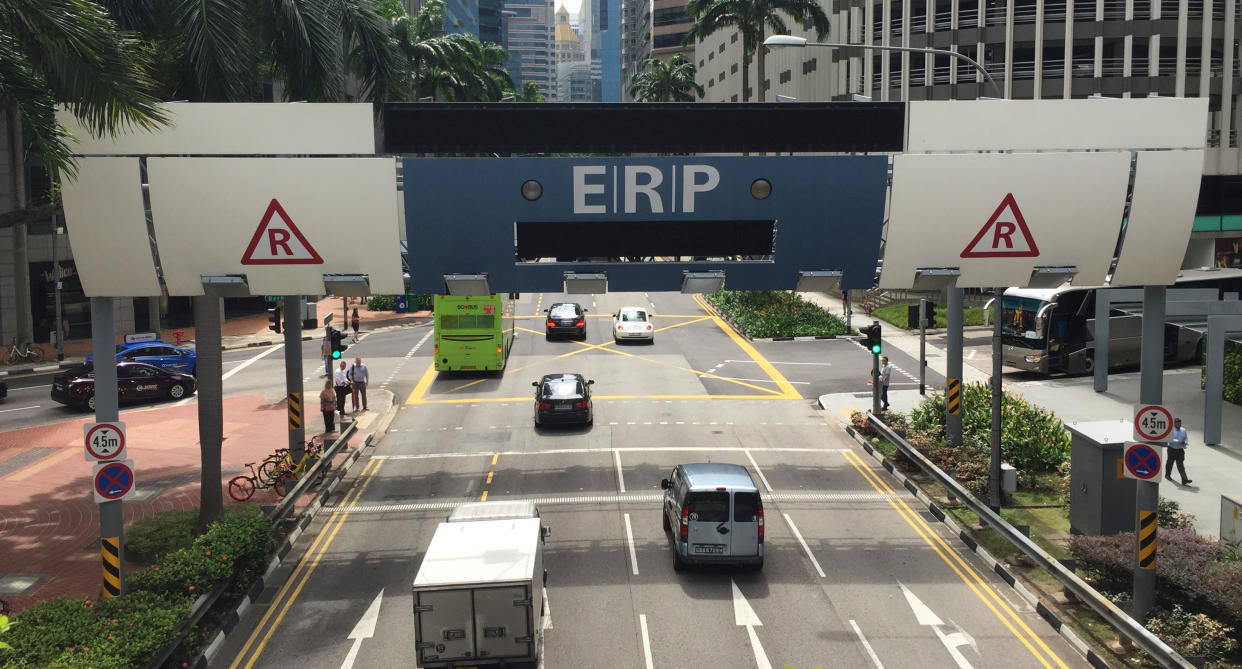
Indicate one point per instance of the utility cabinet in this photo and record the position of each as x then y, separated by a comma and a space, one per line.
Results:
1101, 500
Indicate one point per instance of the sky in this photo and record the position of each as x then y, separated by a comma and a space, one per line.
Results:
571, 5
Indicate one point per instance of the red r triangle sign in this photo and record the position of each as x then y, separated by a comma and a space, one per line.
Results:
279, 242
997, 239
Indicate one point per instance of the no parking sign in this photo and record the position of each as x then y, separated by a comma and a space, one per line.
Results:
1142, 461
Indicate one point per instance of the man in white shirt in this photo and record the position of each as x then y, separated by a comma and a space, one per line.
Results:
340, 382
359, 376
886, 373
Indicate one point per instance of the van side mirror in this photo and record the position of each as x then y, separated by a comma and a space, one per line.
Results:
591, 382
534, 383
545, 578
544, 532
664, 484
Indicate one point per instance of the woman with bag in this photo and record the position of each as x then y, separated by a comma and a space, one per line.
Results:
327, 404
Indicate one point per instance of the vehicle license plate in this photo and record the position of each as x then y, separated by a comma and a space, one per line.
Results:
709, 548
563, 407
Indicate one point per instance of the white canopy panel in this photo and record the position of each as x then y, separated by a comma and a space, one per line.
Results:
282, 222
1162, 213
108, 228
998, 216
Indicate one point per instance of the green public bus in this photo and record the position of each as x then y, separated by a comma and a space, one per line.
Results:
473, 333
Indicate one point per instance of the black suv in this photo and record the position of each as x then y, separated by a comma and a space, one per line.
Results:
566, 319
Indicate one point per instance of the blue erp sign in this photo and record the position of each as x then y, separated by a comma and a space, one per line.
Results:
643, 221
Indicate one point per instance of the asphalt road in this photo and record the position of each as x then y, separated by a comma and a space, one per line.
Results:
856, 573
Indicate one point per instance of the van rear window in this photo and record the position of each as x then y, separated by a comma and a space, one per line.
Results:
708, 507
746, 507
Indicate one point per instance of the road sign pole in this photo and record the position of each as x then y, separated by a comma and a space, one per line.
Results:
922, 346
953, 312
994, 477
107, 410
292, 310
1148, 494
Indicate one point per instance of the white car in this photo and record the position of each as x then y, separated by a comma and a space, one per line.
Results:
633, 323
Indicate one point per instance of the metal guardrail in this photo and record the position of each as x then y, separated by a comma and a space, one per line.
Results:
1129, 627
291, 497
203, 604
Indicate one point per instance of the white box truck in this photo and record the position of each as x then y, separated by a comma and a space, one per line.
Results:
478, 595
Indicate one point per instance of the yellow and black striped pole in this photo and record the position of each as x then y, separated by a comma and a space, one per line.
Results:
295, 410
1146, 539
110, 549
953, 397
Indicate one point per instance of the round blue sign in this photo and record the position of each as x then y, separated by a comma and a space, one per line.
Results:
114, 480
1142, 461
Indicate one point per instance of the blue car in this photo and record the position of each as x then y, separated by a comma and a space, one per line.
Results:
158, 354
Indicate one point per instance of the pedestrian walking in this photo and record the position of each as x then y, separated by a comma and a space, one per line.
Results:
1176, 453
359, 376
327, 404
353, 321
340, 381
326, 350
886, 374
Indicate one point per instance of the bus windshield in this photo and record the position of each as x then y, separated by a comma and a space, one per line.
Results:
1020, 323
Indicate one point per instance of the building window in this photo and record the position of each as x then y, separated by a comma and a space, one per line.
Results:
710, 56
786, 76
733, 99
732, 39
674, 39
808, 66
722, 48
733, 70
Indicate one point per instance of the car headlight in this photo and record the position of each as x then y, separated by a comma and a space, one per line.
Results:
1034, 358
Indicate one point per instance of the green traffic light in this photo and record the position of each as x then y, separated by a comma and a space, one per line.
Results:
336, 354
875, 348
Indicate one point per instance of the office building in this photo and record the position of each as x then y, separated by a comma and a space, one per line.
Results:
531, 44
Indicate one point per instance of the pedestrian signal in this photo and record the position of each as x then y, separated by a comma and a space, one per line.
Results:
338, 344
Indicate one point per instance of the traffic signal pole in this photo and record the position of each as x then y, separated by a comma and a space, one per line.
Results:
1147, 494
107, 410
292, 309
994, 475
953, 365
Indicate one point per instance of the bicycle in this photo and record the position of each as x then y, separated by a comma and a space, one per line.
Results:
30, 352
290, 473
242, 487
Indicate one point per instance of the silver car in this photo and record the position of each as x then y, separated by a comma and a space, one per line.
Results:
714, 515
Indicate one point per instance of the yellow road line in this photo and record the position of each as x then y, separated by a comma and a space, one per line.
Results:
43, 465
489, 478
304, 564
964, 571
786, 387
484, 497
420, 388
495, 457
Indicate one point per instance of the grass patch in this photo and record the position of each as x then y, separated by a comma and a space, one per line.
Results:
149, 539
896, 315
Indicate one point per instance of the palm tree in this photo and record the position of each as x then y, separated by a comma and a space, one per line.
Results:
61, 52
530, 93
665, 81
453, 66
752, 18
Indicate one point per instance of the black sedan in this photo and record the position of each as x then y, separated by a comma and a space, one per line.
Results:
563, 398
135, 382
566, 319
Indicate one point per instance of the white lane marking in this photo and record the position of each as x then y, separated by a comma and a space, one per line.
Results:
642, 625
616, 456
971, 356
251, 361
928, 618
809, 554
744, 615
13, 390
629, 537
758, 471
637, 449
409, 355
818, 364
734, 378
365, 629
547, 612
870, 651
19, 409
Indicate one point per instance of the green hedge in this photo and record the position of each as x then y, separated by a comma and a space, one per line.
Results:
775, 313
150, 538
897, 314
111, 634
1033, 439
389, 303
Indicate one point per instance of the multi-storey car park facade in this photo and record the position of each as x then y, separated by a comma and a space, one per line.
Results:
1032, 49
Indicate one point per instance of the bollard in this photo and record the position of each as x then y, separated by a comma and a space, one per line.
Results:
177, 334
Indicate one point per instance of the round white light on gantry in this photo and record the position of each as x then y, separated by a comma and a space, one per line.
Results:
532, 190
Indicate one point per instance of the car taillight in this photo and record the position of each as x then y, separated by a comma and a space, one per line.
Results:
760, 523
685, 522
545, 405
581, 405
648, 327
580, 324
499, 350
620, 328
551, 324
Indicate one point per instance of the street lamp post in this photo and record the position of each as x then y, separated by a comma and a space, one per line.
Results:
790, 40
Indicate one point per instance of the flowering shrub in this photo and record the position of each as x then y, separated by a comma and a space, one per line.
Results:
775, 313
1193, 633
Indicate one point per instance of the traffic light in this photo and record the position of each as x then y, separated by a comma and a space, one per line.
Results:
929, 314
338, 344
872, 332
273, 318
